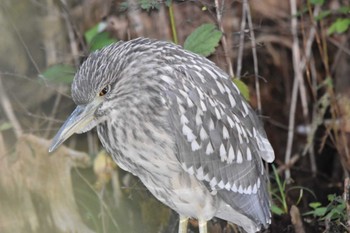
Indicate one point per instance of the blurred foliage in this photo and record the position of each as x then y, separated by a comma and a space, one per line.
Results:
242, 87
334, 212
103, 167
341, 25
279, 194
342, 19
146, 5
321, 106
320, 2
5, 126
60, 73
149, 5
97, 38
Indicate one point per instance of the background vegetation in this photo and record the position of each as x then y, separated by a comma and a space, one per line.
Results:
291, 59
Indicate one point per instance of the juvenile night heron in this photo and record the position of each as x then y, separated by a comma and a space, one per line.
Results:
175, 120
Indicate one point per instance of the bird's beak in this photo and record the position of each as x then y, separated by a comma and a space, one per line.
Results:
81, 117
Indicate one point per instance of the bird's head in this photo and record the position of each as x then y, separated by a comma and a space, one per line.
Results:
108, 80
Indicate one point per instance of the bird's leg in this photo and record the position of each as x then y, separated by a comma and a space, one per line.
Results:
202, 224
183, 224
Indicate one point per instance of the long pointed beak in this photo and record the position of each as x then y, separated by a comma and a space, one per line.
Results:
81, 117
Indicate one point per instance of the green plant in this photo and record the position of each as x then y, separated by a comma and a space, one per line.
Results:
203, 40
342, 21
334, 211
279, 194
97, 38
147, 5
5, 126
64, 73
58, 73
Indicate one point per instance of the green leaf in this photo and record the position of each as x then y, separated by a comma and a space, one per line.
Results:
203, 40
344, 9
301, 12
242, 87
96, 39
149, 4
322, 15
5, 126
60, 73
101, 40
314, 205
318, 2
168, 2
276, 210
123, 6
331, 197
339, 26
319, 212
91, 33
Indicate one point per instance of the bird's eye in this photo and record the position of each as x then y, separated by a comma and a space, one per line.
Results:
105, 90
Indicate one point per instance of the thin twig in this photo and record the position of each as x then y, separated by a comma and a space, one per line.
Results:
339, 45
291, 126
72, 41
314, 88
304, 61
255, 56
298, 74
7, 107
310, 41
241, 41
172, 22
51, 56
3, 148
219, 11
102, 202
298, 83
75, 53
346, 197
54, 111
295, 158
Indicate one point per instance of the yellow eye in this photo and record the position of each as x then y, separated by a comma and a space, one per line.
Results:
105, 90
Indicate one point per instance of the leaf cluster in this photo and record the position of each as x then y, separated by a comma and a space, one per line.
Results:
335, 210
342, 20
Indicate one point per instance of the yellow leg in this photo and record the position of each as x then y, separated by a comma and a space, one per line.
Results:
202, 224
183, 224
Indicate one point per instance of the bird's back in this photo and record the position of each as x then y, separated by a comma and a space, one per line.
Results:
219, 138
213, 138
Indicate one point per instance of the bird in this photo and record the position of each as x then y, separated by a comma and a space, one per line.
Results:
176, 121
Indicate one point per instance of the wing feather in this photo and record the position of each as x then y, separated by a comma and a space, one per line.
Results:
231, 140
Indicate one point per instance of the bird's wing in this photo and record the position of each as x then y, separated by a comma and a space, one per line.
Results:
219, 138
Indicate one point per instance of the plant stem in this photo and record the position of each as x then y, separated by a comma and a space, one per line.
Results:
172, 22
281, 189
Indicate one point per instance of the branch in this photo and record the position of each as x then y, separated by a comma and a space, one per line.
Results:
255, 56
6, 105
291, 127
241, 42
223, 38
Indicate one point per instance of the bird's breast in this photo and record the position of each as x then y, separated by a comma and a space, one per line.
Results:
141, 150
149, 154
